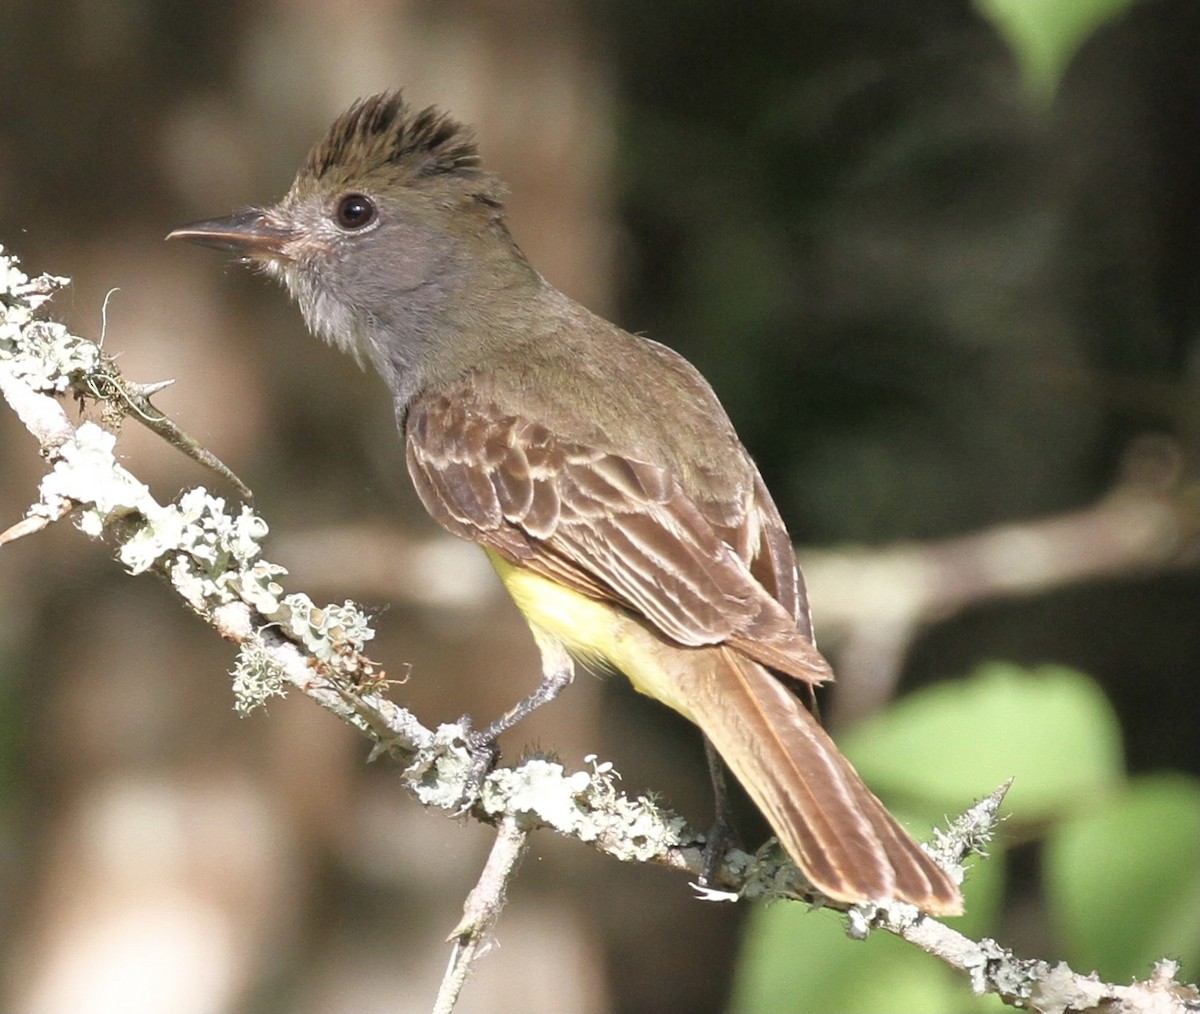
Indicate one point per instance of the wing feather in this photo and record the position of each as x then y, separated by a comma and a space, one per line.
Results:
613, 527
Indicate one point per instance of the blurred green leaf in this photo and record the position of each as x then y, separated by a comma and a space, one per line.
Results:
1124, 879
1045, 35
795, 960
1051, 728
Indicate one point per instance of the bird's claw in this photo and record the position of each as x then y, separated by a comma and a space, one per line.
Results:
720, 838
483, 753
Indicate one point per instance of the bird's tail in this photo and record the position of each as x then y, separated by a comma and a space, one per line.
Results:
831, 824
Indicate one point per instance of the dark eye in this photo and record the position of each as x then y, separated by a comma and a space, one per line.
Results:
355, 211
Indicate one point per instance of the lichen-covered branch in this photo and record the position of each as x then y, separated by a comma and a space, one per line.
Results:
211, 555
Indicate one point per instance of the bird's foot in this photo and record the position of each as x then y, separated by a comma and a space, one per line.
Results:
483, 753
721, 837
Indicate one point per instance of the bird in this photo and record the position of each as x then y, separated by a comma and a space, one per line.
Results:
597, 469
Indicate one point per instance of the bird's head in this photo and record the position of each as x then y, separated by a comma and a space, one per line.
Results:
390, 227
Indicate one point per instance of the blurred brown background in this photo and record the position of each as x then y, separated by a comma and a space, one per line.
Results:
930, 304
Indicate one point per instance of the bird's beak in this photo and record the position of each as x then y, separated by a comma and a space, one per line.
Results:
249, 234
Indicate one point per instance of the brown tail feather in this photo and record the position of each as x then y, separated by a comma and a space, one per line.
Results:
839, 834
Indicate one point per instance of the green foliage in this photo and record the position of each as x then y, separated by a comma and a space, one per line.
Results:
1050, 729
1045, 34
1122, 856
796, 960
1124, 879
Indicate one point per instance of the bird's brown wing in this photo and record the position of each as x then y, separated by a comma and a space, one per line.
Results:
772, 560
609, 527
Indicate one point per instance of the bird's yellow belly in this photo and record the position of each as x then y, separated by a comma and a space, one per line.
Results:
595, 631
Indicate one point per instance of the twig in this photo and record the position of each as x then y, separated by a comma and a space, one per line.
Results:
133, 401
481, 910
874, 602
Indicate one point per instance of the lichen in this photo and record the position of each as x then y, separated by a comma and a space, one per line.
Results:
43, 354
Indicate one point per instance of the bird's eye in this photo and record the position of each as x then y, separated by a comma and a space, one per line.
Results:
354, 211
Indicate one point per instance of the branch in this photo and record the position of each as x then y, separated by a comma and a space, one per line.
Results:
481, 911
874, 602
211, 556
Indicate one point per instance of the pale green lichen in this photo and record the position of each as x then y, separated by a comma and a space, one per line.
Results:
87, 474
328, 631
257, 677
50, 358
538, 788
333, 634
210, 554
211, 557
438, 773
45, 355
258, 586
584, 805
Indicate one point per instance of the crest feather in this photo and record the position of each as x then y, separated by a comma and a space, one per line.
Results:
383, 132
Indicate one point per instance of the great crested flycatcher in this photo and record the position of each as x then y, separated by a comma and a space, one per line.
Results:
597, 470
